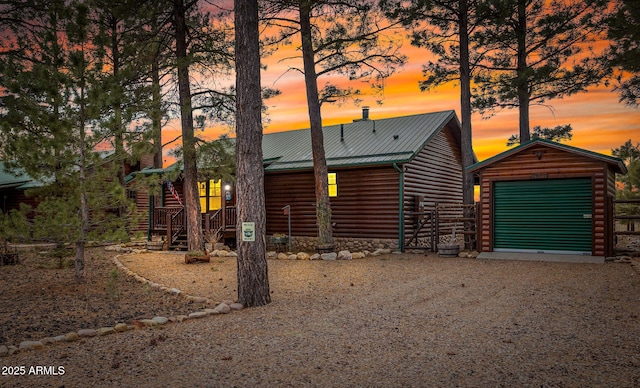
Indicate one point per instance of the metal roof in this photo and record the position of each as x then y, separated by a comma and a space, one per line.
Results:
611, 160
9, 179
363, 142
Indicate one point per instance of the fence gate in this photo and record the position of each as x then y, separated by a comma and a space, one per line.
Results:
626, 218
439, 224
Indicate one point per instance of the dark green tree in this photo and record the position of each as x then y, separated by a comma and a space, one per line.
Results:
49, 125
624, 52
536, 51
557, 134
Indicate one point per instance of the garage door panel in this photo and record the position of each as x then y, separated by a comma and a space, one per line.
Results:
545, 215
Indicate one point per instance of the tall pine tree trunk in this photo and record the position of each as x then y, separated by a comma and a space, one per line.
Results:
522, 83
156, 113
320, 171
465, 111
195, 239
253, 280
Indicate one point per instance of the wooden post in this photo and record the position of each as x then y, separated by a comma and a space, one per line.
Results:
169, 229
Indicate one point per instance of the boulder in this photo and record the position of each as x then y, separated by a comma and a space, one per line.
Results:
223, 308
344, 255
303, 256
160, 320
329, 256
87, 333
120, 327
198, 314
71, 337
31, 345
105, 331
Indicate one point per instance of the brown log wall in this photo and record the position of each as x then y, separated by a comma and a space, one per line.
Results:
367, 204
435, 173
553, 164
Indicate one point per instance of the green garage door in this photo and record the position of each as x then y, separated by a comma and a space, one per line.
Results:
551, 216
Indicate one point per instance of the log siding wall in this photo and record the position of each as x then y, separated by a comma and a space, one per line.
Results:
435, 173
552, 164
366, 205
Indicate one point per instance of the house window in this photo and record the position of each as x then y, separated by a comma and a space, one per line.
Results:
333, 184
210, 193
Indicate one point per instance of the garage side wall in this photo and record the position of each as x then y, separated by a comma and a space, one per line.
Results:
540, 163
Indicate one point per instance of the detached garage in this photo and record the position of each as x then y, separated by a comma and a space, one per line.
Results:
546, 197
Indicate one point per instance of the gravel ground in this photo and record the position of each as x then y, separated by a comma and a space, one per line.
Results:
393, 321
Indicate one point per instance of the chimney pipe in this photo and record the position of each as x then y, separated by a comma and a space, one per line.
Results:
365, 113
341, 132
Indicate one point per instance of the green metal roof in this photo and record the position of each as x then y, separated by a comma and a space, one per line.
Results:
364, 142
613, 161
12, 179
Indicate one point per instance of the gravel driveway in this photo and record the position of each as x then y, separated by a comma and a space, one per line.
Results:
393, 321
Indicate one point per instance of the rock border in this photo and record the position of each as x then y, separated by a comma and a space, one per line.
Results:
224, 307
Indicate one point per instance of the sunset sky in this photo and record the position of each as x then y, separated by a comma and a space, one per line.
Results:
599, 122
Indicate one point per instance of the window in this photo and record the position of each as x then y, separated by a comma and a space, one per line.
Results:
210, 193
333, 184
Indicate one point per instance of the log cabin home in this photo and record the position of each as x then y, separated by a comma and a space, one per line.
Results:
384, 176
15, 185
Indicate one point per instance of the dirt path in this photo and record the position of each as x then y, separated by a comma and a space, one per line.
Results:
380, 322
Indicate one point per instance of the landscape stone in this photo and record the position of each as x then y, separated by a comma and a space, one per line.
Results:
181, 318
344, 255
105, 331
272, 255
303, 256
198, 314
232, 254
160, 320
48, 341
381, 251
282, 256
60, 338
315, 256
212, 311
120, 327
223, 308
329, 256
148, 322
292, 257
71, 337
236, 306
30, 345
4, 351
357, 255
87, 333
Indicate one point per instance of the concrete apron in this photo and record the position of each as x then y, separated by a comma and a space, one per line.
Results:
542, 257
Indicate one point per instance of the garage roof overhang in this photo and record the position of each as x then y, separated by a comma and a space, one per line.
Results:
615, 163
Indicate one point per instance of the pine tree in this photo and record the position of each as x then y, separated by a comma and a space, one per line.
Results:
253, 281
49, 124
536, 51
336, 37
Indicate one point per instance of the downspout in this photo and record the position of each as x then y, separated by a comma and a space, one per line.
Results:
400, 206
